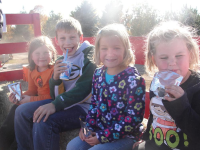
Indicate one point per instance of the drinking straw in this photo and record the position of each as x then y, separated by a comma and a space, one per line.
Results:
65, 56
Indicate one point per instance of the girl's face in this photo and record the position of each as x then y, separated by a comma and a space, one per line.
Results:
173, 56
111, 53
42, 57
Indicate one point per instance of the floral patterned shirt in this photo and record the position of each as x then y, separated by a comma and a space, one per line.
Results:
116, 108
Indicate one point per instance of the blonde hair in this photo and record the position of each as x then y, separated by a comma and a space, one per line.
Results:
69, 24
120, 31
166, 32
39, 42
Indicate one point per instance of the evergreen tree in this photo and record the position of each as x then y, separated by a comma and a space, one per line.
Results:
49, 26
86, 14
187, 15
112, 13
143, 19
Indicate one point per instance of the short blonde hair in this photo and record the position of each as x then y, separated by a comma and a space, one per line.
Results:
69, 24
39, 42
120, 31
166, 32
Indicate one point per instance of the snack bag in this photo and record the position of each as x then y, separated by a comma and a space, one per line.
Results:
87, 132
65, 75
162, 79
16, 89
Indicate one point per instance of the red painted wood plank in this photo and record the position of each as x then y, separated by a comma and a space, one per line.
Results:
36, 25
11, 75
11, 48
147, 109
16, 19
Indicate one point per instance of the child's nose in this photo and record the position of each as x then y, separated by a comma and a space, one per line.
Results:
67, 41
172, 61
110, 51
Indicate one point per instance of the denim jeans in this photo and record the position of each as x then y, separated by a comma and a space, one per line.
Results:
43, 135
121, 144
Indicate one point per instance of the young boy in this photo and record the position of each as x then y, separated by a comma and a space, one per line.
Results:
37, 124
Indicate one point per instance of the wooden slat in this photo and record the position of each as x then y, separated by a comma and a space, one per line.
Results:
11, 48
11, 75
16, 19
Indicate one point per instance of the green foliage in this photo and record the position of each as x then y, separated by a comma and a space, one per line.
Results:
112, 13
187, 15
141, 19
49, 26
88, 18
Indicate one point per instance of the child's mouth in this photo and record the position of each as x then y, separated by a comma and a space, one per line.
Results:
110, 60
69, 49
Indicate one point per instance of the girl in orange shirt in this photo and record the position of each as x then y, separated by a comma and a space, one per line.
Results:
41, 56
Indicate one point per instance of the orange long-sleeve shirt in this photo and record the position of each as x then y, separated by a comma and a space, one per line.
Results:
38, 84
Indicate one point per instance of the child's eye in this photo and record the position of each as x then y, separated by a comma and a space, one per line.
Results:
179, 56
46, 53
103, 49
163, 58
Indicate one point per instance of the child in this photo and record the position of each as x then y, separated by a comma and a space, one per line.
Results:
118, 94
170, 46
41, 54
40, 126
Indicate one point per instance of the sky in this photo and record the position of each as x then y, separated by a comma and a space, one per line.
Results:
66, 6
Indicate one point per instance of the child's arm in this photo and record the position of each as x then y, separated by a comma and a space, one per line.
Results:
187, 117
83, 86
134, 111
53, 80
91, 116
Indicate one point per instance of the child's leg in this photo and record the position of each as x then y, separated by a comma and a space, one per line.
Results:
24, 123
78, 144
46, 134
122, 144
7, 133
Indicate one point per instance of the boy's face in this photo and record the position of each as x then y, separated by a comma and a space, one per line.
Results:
68, 40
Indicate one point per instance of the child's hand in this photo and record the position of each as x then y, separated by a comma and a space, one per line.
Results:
81, 135
43, 110
13, 99
25, 99
175, 92
58, 69
92, 139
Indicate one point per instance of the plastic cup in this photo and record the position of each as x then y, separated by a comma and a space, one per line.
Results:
65, 75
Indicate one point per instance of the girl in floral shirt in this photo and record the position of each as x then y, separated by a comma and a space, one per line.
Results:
118, 95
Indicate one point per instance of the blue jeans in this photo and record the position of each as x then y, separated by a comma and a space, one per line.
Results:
121, 144
43, 135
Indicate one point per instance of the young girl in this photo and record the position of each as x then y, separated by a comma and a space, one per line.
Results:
118, 95
41, 54
170, 46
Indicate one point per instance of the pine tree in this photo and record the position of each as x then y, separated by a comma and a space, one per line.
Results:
88, 18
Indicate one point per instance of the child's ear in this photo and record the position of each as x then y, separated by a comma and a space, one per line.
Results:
56, 41
81, 38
